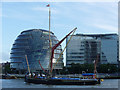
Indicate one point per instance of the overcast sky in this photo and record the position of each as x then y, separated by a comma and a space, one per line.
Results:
88, 17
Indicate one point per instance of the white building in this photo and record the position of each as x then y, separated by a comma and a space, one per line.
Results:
85, 48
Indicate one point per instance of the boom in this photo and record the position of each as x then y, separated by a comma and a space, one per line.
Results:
54, 47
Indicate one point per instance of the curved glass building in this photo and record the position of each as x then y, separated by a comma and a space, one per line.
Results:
35, 44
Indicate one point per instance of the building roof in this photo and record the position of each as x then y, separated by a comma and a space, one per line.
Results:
96, 35
36, 29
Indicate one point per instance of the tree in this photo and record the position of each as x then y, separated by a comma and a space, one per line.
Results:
107, 68
7, 68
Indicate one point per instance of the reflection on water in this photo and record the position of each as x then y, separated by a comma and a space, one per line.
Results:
19, 83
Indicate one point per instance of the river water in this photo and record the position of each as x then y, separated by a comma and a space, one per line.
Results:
19, 83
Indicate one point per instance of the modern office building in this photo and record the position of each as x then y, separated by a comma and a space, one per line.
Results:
35, 44
85, 48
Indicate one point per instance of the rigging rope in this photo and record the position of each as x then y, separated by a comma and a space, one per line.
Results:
63, 50
42, 67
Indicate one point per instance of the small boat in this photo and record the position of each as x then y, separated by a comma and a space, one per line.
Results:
7, 76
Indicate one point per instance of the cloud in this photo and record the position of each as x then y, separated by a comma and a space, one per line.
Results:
108, 10
3, 15
100, 15
106, 27
4, 57
40, 9
60, 0
45, 9
92, 16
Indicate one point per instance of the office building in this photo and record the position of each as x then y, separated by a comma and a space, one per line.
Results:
86, 48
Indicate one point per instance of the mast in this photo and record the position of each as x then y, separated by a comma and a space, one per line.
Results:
95, 65
51, 49
50, 42
27, 63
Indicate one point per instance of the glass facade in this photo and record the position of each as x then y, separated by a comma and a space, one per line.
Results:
35, 44
84, 48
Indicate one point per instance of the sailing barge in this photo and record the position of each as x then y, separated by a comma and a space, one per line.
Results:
50, 80
62, 81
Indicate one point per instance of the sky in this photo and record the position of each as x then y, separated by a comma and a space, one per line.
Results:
88, 17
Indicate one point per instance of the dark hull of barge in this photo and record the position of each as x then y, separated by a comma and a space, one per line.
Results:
63, 81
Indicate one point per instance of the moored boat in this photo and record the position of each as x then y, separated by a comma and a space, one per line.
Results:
64, 80
50, 79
